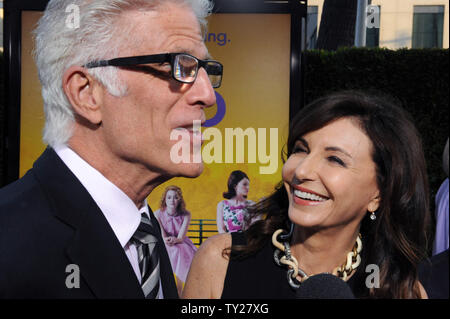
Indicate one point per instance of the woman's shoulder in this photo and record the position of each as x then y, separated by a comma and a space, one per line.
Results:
208, 269
214, 246
211, 252
222, 203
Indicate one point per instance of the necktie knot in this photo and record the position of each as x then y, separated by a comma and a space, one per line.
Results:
146, 233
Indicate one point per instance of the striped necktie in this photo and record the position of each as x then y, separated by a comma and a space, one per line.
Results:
145, 239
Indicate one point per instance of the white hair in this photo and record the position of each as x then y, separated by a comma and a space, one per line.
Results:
97, 37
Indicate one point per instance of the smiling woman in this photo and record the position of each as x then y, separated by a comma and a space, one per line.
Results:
330, 177
353, 197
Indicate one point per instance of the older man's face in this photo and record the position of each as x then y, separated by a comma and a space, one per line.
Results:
137, 127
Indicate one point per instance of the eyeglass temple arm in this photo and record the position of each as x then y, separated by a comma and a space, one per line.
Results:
136, 60
96, 64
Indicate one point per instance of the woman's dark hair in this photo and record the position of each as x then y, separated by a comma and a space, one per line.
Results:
233, 180
397, 240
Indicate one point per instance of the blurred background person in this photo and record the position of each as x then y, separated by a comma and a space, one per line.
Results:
435, 270
174, 220
442, 210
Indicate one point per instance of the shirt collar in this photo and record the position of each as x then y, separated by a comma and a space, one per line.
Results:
120, 211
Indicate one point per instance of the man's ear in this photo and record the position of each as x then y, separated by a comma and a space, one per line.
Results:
83, 93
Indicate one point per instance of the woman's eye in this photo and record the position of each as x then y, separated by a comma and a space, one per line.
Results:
337, 160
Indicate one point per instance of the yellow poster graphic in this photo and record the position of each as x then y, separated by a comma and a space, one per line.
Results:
245, 130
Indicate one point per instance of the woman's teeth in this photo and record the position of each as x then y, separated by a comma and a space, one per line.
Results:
308, 196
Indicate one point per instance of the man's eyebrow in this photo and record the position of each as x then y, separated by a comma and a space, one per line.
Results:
183, 50
207, 56
338, 149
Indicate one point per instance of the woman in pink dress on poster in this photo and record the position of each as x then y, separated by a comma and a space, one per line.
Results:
174, 220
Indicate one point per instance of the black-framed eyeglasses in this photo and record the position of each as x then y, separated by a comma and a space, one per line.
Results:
184, 67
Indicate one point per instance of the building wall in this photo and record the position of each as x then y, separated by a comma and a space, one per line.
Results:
319, 4
396, 20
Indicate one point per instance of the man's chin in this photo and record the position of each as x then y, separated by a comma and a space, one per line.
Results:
190, 170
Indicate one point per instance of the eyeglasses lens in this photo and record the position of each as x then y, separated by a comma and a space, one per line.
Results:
185, 68
214, 71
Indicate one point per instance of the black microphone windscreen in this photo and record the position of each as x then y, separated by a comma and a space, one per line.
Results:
324, 286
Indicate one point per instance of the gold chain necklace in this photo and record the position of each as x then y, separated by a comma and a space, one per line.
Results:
344, 271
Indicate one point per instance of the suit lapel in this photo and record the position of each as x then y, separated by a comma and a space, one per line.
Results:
94, 248
102, 261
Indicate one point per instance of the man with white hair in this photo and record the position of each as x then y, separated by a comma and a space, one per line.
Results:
77, 225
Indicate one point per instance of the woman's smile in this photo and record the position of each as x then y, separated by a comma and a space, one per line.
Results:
306, 197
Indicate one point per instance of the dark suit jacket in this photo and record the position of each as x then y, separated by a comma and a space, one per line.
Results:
48, 221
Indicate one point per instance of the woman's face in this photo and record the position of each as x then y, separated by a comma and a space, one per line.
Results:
172, 199
330, 176
243, 187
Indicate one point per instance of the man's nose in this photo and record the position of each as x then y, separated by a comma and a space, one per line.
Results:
202, 92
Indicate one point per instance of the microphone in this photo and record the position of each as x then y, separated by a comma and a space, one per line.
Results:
324, 286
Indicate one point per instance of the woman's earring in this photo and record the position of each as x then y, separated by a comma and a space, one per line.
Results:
373, 216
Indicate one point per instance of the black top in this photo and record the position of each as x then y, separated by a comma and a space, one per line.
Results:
259, 277
433, 274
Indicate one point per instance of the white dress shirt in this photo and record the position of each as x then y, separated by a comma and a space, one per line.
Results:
120, 211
